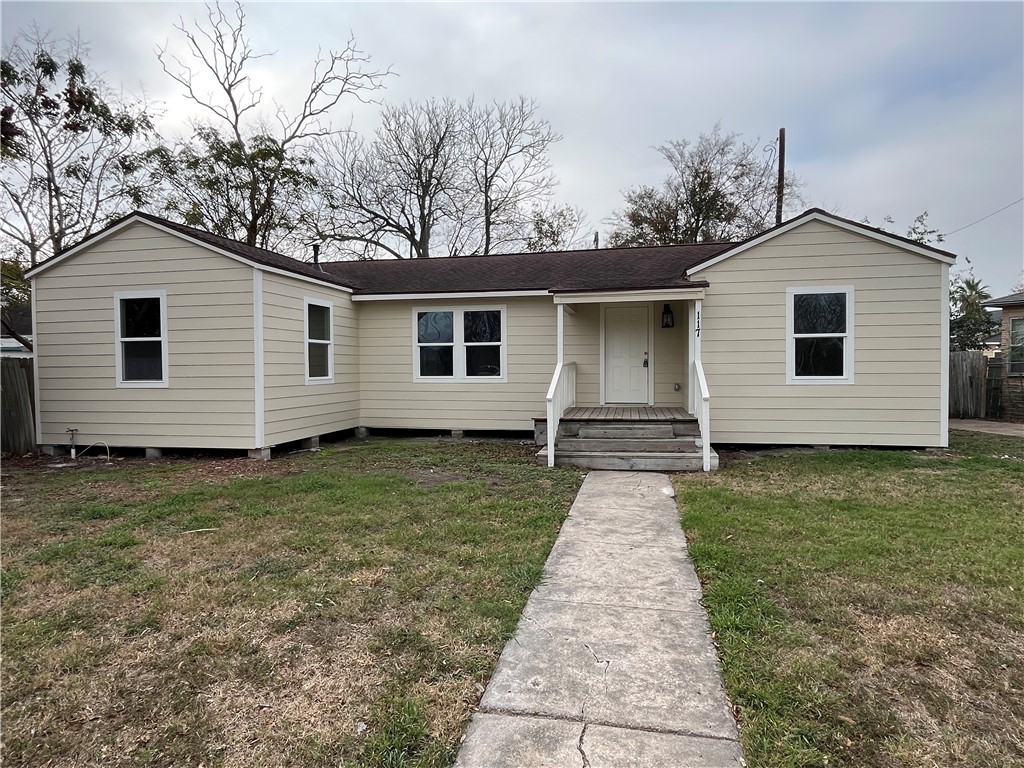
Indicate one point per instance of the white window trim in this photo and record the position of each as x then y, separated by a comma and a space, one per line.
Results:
848, 343
329, 378
1010, 345
459, 343
120, 383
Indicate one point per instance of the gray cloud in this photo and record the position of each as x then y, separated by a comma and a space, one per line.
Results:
889, 109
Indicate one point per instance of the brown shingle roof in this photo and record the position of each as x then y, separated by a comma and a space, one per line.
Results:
560, 271
587, 270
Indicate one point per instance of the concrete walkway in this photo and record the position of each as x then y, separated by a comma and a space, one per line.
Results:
612, 665
992, 427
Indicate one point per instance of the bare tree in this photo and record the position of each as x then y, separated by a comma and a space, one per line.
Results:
720, 188
462, 175
246, 174
393, 194
508, 168
72, 149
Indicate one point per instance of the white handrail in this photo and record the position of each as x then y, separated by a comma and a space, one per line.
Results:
704, 414
561, 395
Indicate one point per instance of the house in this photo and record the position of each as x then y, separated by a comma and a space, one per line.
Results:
993, 343
21, 320
156, 335
1011, 344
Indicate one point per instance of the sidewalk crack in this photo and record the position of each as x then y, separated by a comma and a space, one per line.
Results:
579, 746
604, 678
537, 624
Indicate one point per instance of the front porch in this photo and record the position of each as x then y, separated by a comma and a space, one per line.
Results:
650, 438
627, 413
628, 390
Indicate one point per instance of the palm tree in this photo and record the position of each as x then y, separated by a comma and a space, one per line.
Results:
969, 323
968, 294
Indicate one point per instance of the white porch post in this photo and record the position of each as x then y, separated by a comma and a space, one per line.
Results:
560, 349
691, 388
696, 329
553, 400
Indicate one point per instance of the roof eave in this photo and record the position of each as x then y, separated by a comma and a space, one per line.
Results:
434, 295
662, 287
997, 304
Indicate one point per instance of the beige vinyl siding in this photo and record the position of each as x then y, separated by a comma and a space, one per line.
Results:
896, 395
295, 409
583, 345
209, 402
670, 356
391, 399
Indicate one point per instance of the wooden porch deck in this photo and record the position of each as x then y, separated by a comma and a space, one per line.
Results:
630, 413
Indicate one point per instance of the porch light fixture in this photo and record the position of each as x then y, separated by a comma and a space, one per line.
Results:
668, 320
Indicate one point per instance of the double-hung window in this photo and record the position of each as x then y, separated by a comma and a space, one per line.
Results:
819, 335
319, 341
1015, 359
459, 344
140, 338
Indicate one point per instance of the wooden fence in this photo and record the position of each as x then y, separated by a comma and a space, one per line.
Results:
1005, 395
967, 384
17, 420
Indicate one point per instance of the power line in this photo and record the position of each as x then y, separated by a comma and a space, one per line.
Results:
965, 226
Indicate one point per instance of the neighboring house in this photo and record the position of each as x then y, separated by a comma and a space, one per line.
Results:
13, 348
156, 335
1012, 348
993, 344
21, 319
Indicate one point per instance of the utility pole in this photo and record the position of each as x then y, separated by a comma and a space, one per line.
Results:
782, 176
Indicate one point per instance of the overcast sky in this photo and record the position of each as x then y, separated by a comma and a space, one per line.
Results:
889, 109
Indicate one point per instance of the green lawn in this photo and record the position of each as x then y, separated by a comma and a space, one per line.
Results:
869, 605
339, 608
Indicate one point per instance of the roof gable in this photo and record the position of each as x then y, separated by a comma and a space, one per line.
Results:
817, 214
259, 258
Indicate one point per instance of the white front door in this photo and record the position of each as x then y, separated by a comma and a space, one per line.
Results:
626, 350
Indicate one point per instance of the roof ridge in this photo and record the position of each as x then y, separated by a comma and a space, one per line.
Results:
577, 250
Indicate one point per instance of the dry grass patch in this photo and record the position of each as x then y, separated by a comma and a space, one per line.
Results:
323, 608
868, 604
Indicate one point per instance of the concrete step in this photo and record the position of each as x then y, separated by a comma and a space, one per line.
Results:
649, 462
628, 444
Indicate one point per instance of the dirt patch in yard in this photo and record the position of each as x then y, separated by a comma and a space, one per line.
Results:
185, 469
430, 477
